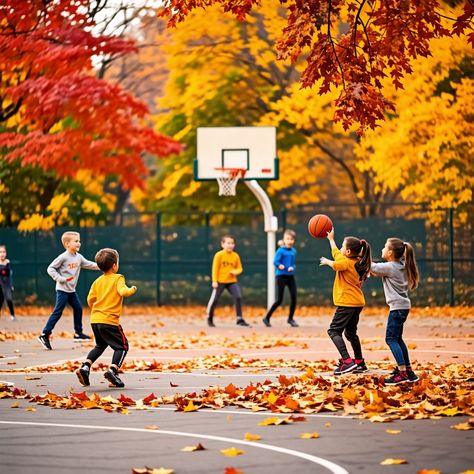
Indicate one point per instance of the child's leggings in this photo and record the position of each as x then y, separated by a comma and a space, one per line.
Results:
282, 281
7, 295
234, 290
345, 321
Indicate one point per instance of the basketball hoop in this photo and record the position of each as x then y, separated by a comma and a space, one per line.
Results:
228, 179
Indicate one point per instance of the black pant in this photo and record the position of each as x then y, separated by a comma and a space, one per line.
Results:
6, 294
234, 290
108, 335
345, 320
282, 281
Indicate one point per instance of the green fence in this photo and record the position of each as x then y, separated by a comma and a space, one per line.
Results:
168, 256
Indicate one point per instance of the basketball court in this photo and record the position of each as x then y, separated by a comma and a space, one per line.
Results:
96, 441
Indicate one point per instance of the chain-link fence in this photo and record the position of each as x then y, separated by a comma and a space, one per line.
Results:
169, 256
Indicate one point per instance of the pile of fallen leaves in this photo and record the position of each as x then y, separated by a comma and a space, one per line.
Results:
445, 391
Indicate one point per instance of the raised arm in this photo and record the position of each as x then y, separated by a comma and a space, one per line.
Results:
87, 264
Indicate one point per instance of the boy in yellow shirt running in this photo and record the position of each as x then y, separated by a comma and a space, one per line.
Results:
225, 268
105, 300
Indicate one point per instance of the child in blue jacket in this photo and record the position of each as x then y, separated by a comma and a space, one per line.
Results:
285, 263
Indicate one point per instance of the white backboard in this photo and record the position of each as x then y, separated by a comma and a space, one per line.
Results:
250, 148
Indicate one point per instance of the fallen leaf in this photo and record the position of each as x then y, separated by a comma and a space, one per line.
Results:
428, 471
15, 405
463, 426
327, 424
232, 452
173, 384
275, 421
30, 409
390, 461
152, 427
151, 470
309, 435
189, 449
393, 432
190, 407
252, 437
232, 470
28, 377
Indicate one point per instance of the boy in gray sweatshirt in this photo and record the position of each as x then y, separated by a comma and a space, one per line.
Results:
65, 270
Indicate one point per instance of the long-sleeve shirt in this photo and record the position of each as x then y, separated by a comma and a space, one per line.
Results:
287, 257
224, 262
347, 289
65, 270
105, 298
395, 283
6, 275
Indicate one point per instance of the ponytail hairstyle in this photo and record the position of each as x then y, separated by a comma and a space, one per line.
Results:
404, 249
360, 248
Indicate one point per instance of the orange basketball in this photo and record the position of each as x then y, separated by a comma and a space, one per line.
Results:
319, 226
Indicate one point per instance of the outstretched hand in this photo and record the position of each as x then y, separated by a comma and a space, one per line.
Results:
324, 261
330, 235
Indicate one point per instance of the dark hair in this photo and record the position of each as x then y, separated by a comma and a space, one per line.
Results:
360, 248
227, 236
404, 249
105, 258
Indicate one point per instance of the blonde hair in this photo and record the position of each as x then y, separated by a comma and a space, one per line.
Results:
69, 235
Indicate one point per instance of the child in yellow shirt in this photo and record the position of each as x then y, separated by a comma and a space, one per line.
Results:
225, 268
105, 300
352, 266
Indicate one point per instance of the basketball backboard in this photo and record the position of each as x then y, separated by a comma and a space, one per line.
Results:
249, 148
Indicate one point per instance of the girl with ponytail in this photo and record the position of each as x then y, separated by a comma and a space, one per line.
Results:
352, 266
399, 275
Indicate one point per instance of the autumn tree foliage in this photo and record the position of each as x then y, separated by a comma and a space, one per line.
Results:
55, 114
351, 45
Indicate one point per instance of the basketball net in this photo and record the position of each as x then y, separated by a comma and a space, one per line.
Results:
228, 179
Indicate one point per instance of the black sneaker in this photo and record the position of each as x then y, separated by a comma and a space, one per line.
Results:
361, 368
81, 337
242, 322
83, 375
293, 323
113, 378
210, 323
266, 321
412, 377
44, 340
345, 367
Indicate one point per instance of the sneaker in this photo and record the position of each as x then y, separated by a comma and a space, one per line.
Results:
266, 321
13, 318
81, 337
293, 323
361, 368
345, 367
412, 377
397, 379
210, 323
242, 322
44, 341
113, 378
83, 375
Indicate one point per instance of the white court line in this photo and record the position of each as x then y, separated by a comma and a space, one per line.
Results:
330, 466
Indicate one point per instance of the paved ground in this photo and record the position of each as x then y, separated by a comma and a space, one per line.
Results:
94, 441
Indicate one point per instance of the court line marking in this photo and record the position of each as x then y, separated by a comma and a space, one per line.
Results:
329, 465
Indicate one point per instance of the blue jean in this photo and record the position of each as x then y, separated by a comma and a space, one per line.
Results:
393, 336
61, 299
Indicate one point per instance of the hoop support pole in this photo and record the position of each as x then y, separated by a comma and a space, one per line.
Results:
271, 227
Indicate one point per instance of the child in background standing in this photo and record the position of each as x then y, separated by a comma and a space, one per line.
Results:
105, 300
226, 265
65, 270
6, 282
399, 275
285, 263
352, 266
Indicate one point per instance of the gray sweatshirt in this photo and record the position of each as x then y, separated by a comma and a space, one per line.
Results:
65, 269
395, 283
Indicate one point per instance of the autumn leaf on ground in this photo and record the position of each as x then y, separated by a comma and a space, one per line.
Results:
252, 437
327, 424
232, 452
309, 435
464, 426
30, 409
152, 427
428, 471
190, 407
151, 470
173, 384
28, 377
232, 470
390, 461
190, 449
275, 421
393, 432
15, 405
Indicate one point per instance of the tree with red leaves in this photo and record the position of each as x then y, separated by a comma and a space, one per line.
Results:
350, 44
55, 114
